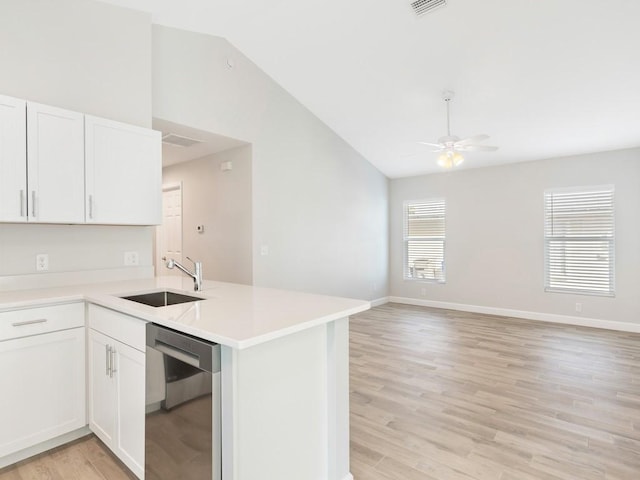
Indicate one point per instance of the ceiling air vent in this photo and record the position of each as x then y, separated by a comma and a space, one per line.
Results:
179, 140
422, 7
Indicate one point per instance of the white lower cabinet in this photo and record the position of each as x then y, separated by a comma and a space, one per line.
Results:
42, 373
117, 386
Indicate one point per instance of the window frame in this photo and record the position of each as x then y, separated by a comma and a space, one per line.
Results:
406, 268
611, 240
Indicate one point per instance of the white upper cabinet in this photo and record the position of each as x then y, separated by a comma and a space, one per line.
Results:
123, 173
59, 166
13, 160
55, 164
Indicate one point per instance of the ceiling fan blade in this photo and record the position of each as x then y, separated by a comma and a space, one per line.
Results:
476, 148
437, 145
474, 139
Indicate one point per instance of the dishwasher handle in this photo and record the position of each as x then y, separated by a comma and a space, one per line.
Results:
194, 351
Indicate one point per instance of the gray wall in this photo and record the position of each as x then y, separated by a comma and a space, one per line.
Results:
221, 201
88, 57
319, 206
495, 239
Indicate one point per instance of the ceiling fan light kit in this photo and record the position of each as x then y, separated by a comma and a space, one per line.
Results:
450, 146
450, 159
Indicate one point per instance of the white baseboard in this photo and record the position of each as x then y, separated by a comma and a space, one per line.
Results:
506, 312
43, 447
348, 477
379, 301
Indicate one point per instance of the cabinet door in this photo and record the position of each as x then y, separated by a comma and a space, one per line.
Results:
130, 399
43, 388
123, 173
55, 164
102, 392
13, 160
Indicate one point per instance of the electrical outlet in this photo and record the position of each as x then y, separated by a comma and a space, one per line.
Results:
131, 259
264, 250
42, 262
578, 307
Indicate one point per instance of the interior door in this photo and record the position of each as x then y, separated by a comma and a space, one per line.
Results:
169, 233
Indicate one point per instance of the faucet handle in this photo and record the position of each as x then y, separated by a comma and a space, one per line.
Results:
193, 261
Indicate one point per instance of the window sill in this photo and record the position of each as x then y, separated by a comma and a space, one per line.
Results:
580, 292
424, 280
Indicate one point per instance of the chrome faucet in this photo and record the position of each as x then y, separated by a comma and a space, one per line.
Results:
196, 274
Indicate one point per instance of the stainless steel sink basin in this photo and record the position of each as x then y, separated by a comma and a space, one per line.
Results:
162, 299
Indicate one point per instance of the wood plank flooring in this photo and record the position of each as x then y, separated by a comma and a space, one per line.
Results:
83, 459
446, 395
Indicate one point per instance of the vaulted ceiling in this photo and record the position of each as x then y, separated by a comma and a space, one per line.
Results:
543, 78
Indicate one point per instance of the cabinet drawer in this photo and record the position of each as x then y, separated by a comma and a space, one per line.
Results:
34, 321
125, 328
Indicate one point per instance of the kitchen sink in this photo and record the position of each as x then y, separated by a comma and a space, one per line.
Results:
162, 299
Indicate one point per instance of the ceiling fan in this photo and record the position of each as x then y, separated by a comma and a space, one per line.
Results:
450, 146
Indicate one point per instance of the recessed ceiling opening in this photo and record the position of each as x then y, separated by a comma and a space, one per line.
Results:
179, 140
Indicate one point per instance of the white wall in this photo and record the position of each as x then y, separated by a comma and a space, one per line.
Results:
221, 201
318, 205
88, 57
495, 239
70, 247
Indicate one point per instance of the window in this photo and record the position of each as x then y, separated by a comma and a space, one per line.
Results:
579, 240
424, 236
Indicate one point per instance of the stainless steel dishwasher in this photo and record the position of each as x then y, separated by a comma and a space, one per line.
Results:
182, 424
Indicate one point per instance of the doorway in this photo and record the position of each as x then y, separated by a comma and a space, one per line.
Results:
169, 233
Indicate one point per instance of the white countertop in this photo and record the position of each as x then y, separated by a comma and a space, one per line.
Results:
238, 316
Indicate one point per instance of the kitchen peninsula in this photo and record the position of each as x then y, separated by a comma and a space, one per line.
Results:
284, 368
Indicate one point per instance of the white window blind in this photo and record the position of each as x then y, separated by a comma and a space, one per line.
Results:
424, 237
579, 240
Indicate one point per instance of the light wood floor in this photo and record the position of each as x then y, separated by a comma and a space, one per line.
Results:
445, 395
84, 459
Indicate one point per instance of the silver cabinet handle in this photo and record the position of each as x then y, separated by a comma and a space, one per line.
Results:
107, 360
90, 206
113, 362
28, 322
22, 212
33, 203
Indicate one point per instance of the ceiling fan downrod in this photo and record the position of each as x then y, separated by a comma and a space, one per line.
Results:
447, 96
